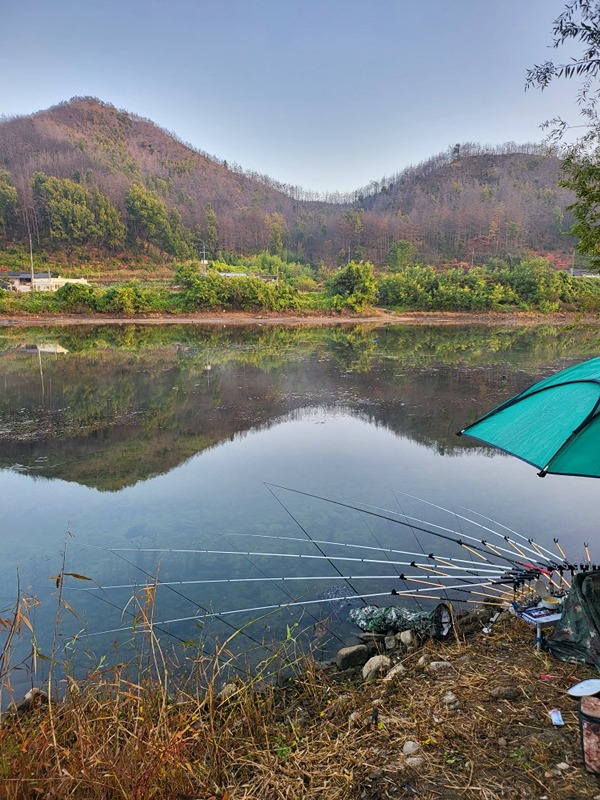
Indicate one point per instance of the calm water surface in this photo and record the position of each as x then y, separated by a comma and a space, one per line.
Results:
119, 443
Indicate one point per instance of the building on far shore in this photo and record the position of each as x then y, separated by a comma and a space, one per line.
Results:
23, 282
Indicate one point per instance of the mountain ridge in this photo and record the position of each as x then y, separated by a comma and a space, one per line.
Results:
468, 202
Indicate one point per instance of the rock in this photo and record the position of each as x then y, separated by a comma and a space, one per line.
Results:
450, 700
371, 638
397, 669
505, 693
407, 638
440, 666
409, 748
375, 667
472, 622
424, 660
34, 698
562, 766
414, 761
354, 656
390, 642
502, 742
323, 666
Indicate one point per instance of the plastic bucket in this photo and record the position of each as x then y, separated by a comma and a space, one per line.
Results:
589, 725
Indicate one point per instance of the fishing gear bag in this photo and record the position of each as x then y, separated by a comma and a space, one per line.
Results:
436, 623
576, 636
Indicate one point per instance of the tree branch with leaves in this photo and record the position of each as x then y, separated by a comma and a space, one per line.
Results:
579, 23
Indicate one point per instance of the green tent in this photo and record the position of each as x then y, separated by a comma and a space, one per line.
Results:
554, 424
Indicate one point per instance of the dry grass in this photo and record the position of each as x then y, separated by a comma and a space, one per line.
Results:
314, 735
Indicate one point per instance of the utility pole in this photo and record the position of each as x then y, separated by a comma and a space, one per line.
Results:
31, 260
26, 218
204, 260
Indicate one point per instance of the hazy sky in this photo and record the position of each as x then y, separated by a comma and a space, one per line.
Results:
325, 94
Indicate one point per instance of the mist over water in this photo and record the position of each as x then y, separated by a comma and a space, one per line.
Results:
118, 444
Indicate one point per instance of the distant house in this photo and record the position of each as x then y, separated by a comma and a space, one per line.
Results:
22, 282
44, 347
583, 273
259, 275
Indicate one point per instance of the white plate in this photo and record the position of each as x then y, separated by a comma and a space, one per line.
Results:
584, 688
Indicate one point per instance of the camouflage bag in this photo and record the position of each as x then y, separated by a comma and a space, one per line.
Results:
576, 636
394, 619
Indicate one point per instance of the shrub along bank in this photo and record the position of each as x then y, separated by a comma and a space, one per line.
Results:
532, 285
267, 284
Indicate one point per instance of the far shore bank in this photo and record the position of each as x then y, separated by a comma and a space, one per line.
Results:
375, 318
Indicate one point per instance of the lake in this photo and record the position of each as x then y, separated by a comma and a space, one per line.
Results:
189, 455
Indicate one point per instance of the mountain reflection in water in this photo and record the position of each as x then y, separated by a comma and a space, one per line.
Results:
149, 438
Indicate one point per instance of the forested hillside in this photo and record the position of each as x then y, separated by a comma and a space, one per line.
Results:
83, 175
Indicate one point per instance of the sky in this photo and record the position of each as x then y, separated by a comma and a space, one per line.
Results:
323, 94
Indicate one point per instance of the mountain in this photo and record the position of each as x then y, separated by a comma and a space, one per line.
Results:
470, 203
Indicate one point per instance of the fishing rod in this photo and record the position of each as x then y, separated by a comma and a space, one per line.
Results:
462, 587
414, 533
491, 576
358, 546
494, 549
483, 527
274, 579
391, 516
305, 532
476, 550
534, 544
296, 603
490, 579
488, 575
124, 611
492, 569
291, 597
175, 591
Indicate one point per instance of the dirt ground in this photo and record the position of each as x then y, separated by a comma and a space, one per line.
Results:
496, 740
377, 317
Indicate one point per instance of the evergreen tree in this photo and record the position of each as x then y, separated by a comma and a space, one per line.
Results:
147, 218
401, 255
8, 205
71, 213
211, 231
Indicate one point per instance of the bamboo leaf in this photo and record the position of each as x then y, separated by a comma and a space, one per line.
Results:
69, 608
22, 618
41, 655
